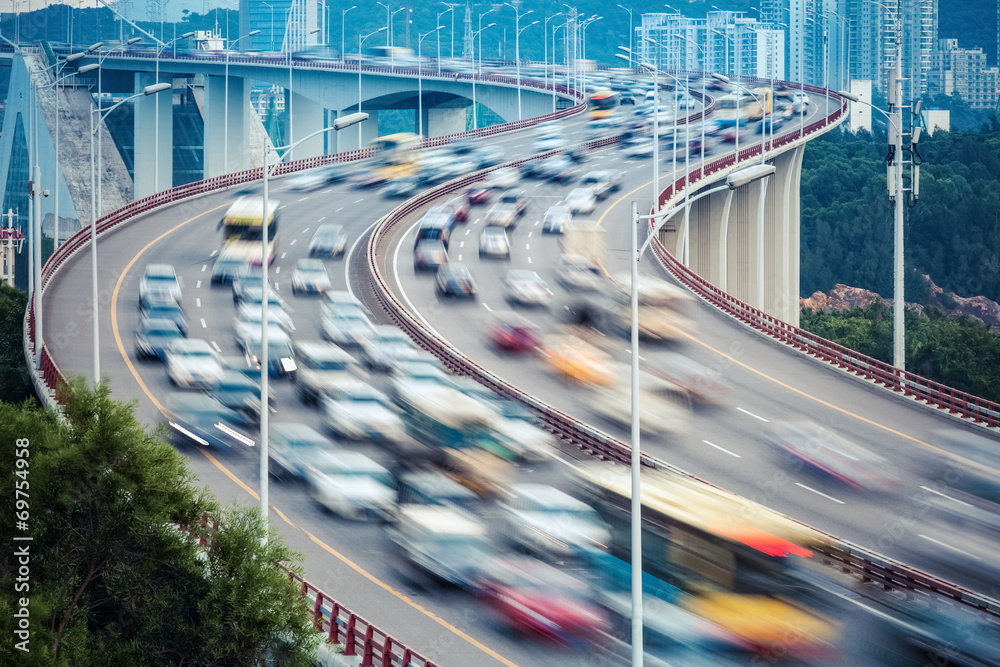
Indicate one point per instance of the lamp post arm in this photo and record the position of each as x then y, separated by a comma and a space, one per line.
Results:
663, 216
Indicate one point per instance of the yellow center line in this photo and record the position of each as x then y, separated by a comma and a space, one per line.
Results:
232, 476
381, 584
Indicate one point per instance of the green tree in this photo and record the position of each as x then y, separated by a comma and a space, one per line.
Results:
112, 579
15, 383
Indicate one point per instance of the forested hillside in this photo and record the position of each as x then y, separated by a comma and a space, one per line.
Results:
952, 233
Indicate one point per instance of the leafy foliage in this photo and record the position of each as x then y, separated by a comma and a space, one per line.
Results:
951, 233
961, 353
112, 579
15, 384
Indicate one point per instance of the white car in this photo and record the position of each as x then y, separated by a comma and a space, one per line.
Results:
581, 200
351, 485
310, 277
159, 278
384, 346
307, 180
192, 363
248, 318
526, 288
556, 218
322, 366
357, 411
549, 142
547, 521
639, 150
504, 177
346, 330
493, 242
577, 273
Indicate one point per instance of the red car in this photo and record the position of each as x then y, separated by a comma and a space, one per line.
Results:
512, 332
458, 207
477, 196
538, 600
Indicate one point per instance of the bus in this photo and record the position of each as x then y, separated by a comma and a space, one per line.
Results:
762, 98
603, 103
714, 557
397, 156
241, 229
742, 108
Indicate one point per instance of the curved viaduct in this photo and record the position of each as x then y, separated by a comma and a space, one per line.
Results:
141, 230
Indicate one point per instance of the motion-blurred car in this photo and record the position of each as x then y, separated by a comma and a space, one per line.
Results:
401, 187
310, 277
239, 392
550, 522
519, 198
248, 320
504, 177
577, 273
477, 196
501, 215
556, 218
581, 200
192, 363
308, 180
166, 308
202, 420
639, 150
254, 296
487, 156
292, 446
159, 278
703, 385
549, 142
523, 287
574, 359
245, 278
511, 332
831, 456
440, 543
493, 243
225, 267
558, 168
154, 336
322, 366
539, 600
345, 330
358, 411
602, 182
455, 280
280, 355
433, 488
429, 256
459, 209
351, 485
385, 344
329, 240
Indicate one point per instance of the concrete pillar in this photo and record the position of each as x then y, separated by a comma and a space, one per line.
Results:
216, 127
306, 118
444, 120
151, 132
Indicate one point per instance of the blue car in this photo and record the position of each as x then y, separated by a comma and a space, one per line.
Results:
154, 336
195, 418
164, 308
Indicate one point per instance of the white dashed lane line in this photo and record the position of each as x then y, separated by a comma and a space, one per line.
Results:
293, 242
747, 412
203, 267
339, 209
304, 230
215, 345
530, 233
818, 493
460, 257
197, 285
462, 244
722, 449
283, 255
304, 198
197, 303
358, 201
277, 269
948, 546
529, 260
203, 325
487, 307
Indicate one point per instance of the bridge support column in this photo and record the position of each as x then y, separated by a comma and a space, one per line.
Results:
306, 118
782, 244
154, 128
444, 120
215, 144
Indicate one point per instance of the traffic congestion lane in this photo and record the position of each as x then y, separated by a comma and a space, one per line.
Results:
895, 430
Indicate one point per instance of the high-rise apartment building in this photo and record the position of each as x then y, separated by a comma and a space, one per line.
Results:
965, 72
285, 25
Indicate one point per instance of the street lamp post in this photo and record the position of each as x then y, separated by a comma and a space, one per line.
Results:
583, 48
517, 47
100, 96
271, 40
629, 28
734, 181
475, 114
338, 124
420, 78
343, 23
392, 39
94, 213
704, 69
388, 17
361, 43
545, 39
451, 8
225, 112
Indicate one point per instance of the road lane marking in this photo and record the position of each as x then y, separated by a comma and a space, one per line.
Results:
467, 231
197, 285
948, 546
301, 200
462, 244
277, 269
203, 267
460, 257
530, 233
283, 255
722, 449
409, 601
214, 253
529, 260
197, 303
339, 209
747, 412
203, 325
819, 493
293, 242
305, 230
487, 307
358, 201
943, 495
527, 246
319, 221
215, 345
